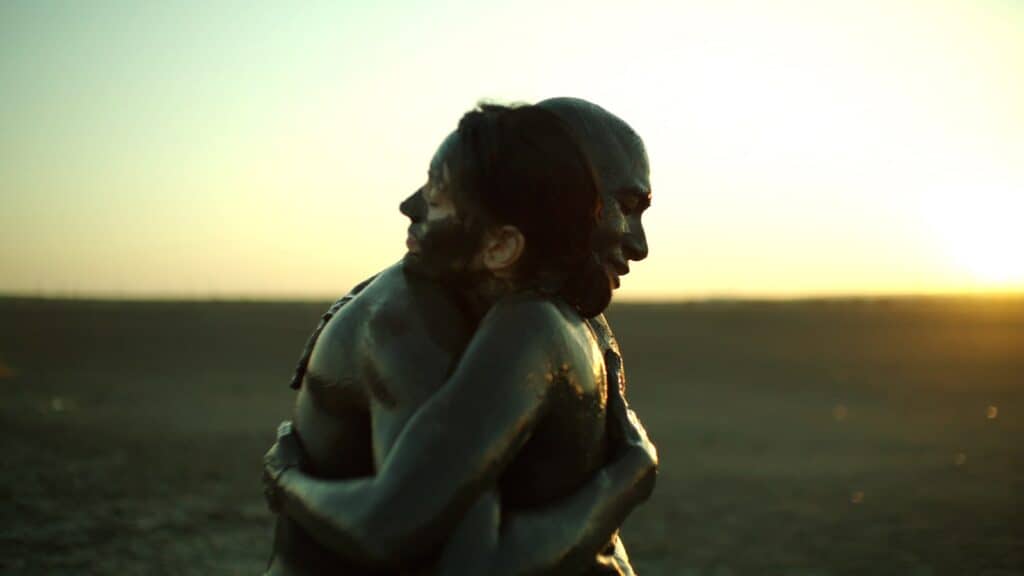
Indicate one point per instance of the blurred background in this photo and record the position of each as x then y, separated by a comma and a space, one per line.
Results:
826, 342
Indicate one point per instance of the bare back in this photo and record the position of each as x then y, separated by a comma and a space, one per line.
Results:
351, 405
568, 443
354, 393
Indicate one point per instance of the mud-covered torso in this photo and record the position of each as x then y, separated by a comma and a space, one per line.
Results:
354, 390
349, 409
568, 444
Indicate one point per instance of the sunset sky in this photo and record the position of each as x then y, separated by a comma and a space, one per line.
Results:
260, 149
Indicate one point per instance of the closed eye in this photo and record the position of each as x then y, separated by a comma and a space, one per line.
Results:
633, 201
628, 205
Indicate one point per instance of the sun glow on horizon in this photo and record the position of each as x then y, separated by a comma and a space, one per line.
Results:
797, 148
982, 234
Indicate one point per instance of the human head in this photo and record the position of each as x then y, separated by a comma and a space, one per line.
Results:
523, 205
437, 241
620, 164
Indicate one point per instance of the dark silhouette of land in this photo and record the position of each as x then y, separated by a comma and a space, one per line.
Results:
875, 436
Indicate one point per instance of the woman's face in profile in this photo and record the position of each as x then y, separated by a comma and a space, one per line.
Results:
435, 207
438, 241
436, 194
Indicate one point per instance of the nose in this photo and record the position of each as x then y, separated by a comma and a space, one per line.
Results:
414, 207
634, 244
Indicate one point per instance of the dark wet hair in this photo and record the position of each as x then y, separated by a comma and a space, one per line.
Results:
523, 166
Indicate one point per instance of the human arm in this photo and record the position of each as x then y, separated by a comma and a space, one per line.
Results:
451, 449
616, 560
566, 536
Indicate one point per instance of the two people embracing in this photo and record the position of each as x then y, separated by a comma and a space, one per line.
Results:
463, 411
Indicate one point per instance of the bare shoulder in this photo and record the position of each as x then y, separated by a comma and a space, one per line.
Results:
395, 300
525, 310
405, 307
340, 338
347, 320
531, 320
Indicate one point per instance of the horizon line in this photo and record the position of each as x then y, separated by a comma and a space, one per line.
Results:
142, 298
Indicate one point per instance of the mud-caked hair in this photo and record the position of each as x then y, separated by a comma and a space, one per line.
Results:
523, 166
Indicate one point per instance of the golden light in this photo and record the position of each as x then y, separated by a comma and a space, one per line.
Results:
791, 142
980, 232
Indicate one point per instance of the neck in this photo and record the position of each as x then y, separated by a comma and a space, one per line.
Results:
486, 291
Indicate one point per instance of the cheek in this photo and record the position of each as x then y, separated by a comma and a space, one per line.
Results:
612, 224
607, 241
442, 212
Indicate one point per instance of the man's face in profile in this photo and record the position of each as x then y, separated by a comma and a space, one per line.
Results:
623, 179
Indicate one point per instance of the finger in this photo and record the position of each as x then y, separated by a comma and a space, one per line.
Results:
273, 454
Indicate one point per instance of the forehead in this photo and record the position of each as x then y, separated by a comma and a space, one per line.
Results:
620, 162
439, 163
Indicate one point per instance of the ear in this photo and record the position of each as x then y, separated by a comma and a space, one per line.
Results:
503, 247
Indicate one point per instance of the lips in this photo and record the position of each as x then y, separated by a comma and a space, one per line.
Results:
616, 269
411, 243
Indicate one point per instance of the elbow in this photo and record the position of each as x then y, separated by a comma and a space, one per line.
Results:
645, 471
646, 483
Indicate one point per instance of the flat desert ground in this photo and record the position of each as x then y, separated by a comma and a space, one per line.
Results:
819, 437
